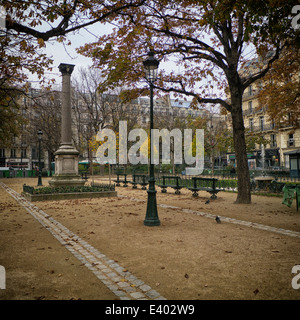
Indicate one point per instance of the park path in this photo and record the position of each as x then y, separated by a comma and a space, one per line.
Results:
123, 284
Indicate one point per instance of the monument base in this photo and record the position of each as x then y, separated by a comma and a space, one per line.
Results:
66, 168
62, 181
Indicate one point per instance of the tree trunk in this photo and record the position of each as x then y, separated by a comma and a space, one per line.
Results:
244, 192
213, 163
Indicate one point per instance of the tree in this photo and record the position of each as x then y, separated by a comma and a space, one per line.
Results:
30, 24
216, 135
45, 114
11, 119
207, 40
96, 110
89, 108
281, 89
164, 121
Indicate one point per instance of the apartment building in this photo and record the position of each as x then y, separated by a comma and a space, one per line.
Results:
24, 150
283, 136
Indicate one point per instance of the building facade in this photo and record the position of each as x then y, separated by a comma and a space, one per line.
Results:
23, 153
282, 137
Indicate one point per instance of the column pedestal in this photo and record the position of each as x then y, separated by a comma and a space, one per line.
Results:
66, 168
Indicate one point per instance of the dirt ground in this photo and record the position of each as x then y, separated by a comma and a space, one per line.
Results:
188, 257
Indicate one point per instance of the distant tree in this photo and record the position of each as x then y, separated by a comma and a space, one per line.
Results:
45, 114
11, 118
95, 110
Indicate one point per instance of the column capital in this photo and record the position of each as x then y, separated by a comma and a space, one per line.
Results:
65, 68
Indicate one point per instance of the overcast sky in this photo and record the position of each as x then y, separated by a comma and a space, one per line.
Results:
61, 53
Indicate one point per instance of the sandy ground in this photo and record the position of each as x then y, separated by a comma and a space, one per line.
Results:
188, 257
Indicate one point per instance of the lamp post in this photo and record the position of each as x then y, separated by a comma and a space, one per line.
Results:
151, 219
40, 134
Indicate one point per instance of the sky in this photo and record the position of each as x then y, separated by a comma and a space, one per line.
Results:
61, 53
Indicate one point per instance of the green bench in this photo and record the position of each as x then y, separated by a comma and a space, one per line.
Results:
124, 180
141, 179
289, 193
84, 175
204, 184
172, 182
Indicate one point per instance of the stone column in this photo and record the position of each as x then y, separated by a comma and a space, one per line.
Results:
66, 157
66, 122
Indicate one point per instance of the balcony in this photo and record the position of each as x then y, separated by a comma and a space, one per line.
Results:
254, 111
265, 127
249, 95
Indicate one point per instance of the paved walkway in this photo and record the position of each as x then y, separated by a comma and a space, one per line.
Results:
121, 282
226, 219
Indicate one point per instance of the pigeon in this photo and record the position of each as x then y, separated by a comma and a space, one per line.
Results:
218, 219
207, 201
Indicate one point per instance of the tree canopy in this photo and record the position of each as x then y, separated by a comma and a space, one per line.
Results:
30, 24
281, 89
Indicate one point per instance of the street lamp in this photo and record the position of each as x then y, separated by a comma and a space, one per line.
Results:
23, 145
40, 135
151, 219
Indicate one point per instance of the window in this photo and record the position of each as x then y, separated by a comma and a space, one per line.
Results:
250, 106
272, 125
34, 153
2, 153
12, 153
23, 153
251, 124
250, 91
273, 140
261, 123
291, 141
293, 164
